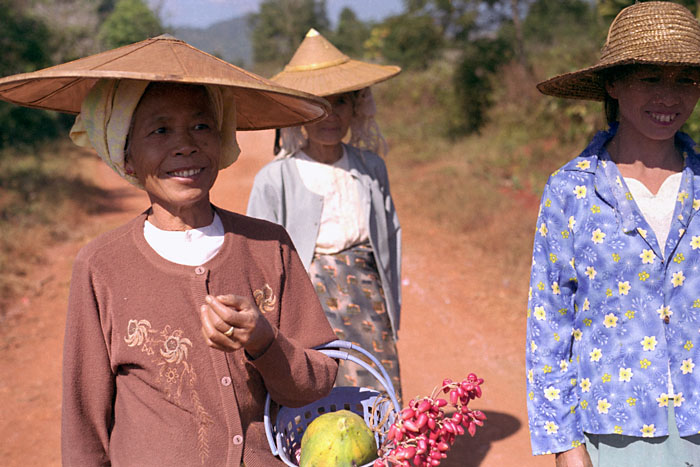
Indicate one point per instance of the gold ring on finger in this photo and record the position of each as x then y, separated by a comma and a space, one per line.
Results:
229, 333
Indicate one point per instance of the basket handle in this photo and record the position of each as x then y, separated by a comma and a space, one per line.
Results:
331, 349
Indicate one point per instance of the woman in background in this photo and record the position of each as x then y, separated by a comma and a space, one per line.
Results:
334, 200
612, 334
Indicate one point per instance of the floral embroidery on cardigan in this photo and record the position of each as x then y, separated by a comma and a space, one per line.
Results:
175, 371
265, 299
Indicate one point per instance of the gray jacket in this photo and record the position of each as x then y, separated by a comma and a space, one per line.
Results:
279, 196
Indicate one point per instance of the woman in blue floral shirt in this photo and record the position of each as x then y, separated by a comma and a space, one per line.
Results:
613, 334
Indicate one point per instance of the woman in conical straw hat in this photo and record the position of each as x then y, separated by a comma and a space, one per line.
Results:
334, 200
612, 334
182, 320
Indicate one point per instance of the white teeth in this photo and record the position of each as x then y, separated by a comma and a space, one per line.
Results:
664, 118
185, 173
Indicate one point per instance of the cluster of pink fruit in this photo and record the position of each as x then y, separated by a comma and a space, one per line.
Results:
422, 433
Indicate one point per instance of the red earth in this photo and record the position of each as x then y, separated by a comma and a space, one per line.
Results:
459, 316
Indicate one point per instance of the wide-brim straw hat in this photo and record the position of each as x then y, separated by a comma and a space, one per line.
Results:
319, 68
260, 103
648, 33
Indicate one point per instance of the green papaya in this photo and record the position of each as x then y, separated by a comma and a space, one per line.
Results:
337, 439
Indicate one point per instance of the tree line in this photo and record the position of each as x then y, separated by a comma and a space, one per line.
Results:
478, 38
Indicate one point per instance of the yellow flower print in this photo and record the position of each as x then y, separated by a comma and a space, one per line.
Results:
664, 311
629, 314
572, 222
595, 209
595, 354
631, 401
643, 276
696, 204
606, 377
551, 428
679, 258
625, 375
548, 203
644, 363
687, 366
564, 234
603, 406
587, 322
529, 293
617, 430
551, 393
555, 288
678, 399
662, 400
546, 369
531, 376
533, 346
591, 272
696, 303
583, 165
616, 257
540, 313
563, 365
642, 232
577, 334
648, 431
597, 236
540, 285
531, 395
624, 287
573, 381
543, 230
585, 385
572, 262
575, 443
580, 191
682, 196
688, 345
628, 195
586, 304
647, 256
695, 242
648, 343
610, 320
608, 292
678, 279
553, 257
584, 404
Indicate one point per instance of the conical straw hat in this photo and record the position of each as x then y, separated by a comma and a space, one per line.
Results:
319, 68
260, 103
649, 33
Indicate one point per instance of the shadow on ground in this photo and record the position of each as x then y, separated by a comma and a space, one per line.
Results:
470, 452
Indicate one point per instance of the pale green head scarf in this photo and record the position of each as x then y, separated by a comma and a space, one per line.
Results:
105, 119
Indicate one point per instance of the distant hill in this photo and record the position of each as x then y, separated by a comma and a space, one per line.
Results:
229, 40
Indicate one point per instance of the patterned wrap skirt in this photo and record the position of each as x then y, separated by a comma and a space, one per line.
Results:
351, 293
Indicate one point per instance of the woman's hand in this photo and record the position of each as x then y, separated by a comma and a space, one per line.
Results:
576, 457
230, 322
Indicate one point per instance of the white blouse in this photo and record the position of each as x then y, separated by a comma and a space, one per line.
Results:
190, 247
657, 208
343, 218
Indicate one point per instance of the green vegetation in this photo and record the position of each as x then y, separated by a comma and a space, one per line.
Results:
131, 21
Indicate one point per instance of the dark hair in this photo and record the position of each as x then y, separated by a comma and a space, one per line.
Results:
608, 75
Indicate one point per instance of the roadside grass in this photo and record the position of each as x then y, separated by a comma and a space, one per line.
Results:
42, 198
483, 188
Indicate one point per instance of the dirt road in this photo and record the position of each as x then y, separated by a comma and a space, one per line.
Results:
459, 316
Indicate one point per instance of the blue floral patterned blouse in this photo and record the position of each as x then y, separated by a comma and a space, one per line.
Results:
607, 314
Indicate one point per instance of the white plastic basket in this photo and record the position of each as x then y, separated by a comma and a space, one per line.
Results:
284, 435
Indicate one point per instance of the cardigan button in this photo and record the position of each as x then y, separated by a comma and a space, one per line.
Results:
238, 439
226, 381
199, 270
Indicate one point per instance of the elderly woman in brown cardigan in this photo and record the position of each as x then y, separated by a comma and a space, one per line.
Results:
182, 320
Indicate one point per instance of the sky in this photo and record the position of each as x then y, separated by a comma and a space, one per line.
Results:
202, 13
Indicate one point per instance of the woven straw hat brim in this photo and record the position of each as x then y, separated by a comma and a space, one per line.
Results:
648, 33
345, 77
260, 103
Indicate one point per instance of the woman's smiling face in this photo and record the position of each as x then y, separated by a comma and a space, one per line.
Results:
174, 146
656, 101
